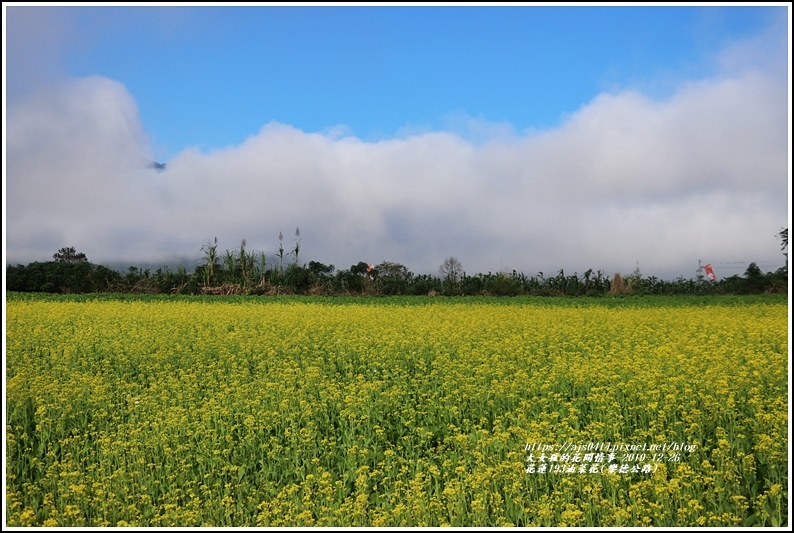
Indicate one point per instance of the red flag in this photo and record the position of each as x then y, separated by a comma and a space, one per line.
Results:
370, 268
710, 272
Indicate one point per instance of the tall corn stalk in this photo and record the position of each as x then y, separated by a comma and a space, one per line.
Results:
229, 265
211, 255
245, 264
297, 245
262, 268
280, 253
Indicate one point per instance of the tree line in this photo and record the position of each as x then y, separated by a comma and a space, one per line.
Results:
240, 271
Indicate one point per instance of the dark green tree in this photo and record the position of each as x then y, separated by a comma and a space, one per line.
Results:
756, 283
69, 255
360, 268
393, 278
319, 269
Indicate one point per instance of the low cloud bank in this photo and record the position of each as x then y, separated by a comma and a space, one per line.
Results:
624, 180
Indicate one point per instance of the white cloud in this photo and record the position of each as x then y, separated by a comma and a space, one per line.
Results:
75, 167
625, 179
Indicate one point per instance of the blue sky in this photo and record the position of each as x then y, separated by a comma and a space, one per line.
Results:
212, 76
403, 133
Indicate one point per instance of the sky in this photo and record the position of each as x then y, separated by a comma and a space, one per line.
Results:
523, 137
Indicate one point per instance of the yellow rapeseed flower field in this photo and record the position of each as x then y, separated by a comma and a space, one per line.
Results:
395, 412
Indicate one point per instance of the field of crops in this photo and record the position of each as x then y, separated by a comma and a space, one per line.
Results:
396, 412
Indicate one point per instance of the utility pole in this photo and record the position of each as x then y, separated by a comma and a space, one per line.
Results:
700, 271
